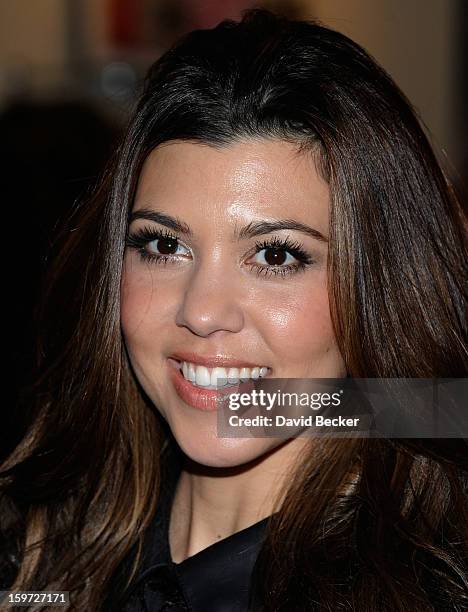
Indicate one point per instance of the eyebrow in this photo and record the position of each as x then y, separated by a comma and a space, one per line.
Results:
172, 223
252, 229
259, 228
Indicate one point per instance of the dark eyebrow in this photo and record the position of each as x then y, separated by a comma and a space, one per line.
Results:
265, 227
251, 230
172, 223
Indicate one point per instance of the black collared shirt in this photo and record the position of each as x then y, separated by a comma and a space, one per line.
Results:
216, 579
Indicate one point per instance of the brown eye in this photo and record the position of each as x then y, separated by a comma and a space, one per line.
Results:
166, 246
275, 257
157, 246
272, 256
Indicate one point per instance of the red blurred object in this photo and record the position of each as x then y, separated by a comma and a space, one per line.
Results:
125, 22
208, 13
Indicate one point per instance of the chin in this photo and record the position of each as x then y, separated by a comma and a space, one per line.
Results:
211, 451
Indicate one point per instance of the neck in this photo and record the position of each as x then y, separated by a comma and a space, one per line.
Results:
212, 503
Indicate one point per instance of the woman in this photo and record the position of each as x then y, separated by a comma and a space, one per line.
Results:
273, 206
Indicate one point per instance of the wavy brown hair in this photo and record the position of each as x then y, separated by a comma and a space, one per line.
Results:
80, 489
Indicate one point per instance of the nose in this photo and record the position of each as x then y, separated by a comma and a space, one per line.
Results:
210, 302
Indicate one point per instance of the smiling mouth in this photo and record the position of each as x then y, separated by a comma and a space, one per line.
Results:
217, 377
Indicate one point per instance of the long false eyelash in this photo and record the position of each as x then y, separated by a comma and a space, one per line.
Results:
145, 234
140, 238
284, 244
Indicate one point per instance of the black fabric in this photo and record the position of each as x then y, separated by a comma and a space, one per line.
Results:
214, 580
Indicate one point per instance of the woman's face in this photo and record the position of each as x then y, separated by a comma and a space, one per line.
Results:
237, 277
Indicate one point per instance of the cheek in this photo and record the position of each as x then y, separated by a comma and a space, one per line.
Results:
146, 312
134, 301
300, 332
144, 307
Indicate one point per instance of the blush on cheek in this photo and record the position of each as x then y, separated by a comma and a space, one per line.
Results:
304, 336
136, 297
131, 307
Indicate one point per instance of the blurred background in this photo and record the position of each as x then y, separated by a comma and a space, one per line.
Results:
70, 71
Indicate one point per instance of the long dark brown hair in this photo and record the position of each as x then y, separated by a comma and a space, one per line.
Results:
80, 489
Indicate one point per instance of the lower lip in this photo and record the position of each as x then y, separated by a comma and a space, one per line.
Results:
206, 400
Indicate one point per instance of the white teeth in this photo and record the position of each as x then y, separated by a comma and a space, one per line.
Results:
203, 378
191, 373
218, 373
212, 378
233, 375
244, 374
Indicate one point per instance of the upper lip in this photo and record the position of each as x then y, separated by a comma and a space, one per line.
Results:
214, 360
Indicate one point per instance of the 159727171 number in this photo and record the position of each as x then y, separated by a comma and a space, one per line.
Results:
25, 598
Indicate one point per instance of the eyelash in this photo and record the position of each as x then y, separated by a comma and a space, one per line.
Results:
283, 244
139, 240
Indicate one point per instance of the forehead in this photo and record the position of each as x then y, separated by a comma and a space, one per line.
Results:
256, 177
